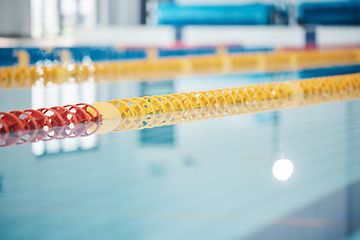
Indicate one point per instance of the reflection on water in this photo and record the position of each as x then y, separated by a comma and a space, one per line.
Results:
329, 71
283, 169
157, 136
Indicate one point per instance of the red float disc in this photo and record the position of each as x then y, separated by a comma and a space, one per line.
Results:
43, 123
86, 106
14, 127
83, 118
56, 123
70, 121
30, 126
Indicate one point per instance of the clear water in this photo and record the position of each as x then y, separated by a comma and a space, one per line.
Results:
213, 179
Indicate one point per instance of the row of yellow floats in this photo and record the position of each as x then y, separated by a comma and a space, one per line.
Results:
152, 111
24, 75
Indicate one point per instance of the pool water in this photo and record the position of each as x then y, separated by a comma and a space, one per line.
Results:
289, 174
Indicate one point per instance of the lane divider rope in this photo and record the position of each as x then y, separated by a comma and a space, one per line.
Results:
19, 127
164, 68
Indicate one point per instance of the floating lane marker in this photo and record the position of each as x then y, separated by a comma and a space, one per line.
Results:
19, 127
25, 75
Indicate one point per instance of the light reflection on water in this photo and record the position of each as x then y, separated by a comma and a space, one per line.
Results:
283, 169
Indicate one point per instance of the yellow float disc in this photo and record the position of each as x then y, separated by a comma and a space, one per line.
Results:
111, 116
297, 93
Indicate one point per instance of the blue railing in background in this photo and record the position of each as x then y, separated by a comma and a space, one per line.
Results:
163, 52
179, 15
328, 13
325, 13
